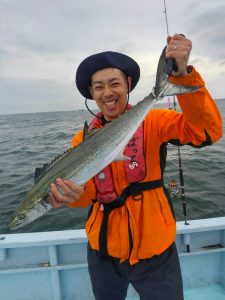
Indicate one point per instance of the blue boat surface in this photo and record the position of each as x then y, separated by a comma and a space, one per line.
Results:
53, 265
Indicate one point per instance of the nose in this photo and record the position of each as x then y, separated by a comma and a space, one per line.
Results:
107, 92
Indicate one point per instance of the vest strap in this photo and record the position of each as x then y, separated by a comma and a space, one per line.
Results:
133, 189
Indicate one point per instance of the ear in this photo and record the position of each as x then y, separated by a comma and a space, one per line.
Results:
129, 80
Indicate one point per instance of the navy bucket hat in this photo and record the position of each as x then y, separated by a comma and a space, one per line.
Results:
104, 60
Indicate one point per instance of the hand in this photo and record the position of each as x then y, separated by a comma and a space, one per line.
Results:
64, 191
179, 48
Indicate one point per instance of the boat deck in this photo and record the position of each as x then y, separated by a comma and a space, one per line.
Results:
53, 265
211, 292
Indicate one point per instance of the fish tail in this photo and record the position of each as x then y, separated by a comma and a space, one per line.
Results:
163, 87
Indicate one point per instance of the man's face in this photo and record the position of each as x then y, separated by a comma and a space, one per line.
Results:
109, 89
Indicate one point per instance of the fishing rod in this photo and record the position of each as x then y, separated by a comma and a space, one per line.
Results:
171, 66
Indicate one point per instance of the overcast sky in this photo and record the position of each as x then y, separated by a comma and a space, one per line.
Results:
43, 42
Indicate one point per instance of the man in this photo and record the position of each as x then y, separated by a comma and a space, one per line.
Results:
134, 243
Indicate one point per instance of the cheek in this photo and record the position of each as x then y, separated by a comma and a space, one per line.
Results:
97, 95
98, 103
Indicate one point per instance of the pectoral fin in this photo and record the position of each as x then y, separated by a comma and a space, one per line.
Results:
121, 157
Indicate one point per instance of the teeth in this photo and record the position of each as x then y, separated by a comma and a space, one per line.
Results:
110, 103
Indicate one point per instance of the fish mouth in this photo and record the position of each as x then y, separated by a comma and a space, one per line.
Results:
18, 221
13, 225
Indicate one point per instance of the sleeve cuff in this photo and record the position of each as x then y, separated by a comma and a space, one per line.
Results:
192, 78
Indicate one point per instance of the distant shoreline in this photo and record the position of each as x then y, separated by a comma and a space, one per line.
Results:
59, 111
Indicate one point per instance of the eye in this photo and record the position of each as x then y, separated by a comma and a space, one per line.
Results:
98, 87
21, 217
115, 84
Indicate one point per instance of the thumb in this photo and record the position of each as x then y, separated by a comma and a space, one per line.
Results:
169, 39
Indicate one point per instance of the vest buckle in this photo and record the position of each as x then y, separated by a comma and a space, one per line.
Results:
138, 197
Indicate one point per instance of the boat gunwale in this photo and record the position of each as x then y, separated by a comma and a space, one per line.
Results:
63, 237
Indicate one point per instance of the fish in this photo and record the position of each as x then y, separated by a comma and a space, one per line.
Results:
104, 146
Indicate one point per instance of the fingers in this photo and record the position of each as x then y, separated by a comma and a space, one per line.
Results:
65, 191
179, 48
54, 202
178, 44
168, 39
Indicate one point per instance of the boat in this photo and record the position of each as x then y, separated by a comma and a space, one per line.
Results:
53, 265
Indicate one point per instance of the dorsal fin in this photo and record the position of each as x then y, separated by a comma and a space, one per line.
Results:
40, 171
85, 130
87, 133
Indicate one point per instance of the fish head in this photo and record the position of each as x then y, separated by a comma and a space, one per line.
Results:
29, 212
19, 220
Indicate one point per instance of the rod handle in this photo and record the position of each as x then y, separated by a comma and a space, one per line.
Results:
171, 66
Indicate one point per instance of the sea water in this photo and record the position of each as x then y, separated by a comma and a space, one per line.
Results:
28, 141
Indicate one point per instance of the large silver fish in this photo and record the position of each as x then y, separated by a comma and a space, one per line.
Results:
94, 153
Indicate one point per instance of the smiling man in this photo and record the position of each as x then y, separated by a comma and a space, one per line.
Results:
108, 77
133, 241
109, 87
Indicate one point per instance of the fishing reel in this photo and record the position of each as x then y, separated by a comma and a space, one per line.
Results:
174, 189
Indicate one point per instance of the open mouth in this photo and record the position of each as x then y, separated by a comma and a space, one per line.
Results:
111, 103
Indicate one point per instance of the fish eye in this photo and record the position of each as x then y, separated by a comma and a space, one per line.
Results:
21, 217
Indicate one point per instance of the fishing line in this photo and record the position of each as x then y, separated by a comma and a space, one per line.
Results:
178, 149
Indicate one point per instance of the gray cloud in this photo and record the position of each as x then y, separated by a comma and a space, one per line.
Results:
36, 95
206, 24
42, 43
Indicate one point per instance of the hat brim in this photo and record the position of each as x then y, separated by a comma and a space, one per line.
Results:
101, 61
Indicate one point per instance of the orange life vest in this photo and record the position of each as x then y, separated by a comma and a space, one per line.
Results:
135, 170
